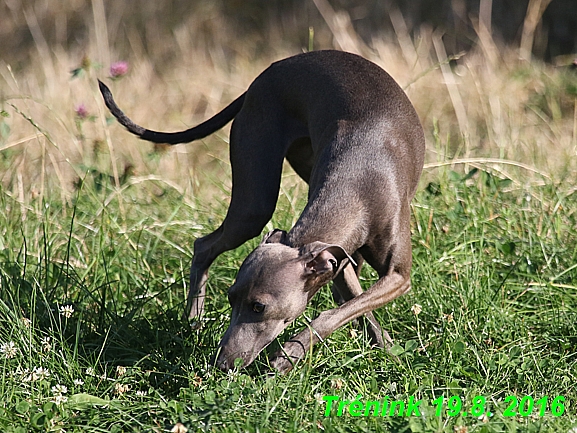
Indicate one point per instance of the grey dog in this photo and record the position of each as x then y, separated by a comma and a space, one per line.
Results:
350, 132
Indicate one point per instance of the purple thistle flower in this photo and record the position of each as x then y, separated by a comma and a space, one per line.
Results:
118, 69
81, 111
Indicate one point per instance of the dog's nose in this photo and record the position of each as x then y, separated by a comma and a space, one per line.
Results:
227, 363
219, 361
223, 365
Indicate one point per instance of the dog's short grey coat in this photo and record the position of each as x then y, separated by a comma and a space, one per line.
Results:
351, 133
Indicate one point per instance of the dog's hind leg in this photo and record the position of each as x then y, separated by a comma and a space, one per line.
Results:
256, 155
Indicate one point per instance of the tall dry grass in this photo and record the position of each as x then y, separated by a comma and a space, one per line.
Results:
486, 107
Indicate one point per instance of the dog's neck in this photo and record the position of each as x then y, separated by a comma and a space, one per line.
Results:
322, 220
335, 212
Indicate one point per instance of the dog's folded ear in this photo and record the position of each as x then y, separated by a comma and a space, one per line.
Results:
321, 258
277, 236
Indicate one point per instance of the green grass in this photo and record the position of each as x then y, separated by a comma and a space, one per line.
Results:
494, 273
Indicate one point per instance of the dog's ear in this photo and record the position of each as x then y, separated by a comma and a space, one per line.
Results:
277, 236
320, 258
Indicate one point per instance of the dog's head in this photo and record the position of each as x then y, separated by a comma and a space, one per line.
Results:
272, 288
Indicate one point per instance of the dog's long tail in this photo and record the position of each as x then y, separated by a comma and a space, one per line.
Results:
200, 131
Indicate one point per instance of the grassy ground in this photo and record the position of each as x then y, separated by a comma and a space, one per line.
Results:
96, 231
92, 295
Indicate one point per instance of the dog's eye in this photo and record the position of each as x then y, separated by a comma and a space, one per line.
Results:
333, 263
257, 307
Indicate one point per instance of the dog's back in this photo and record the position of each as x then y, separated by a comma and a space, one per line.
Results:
357, 96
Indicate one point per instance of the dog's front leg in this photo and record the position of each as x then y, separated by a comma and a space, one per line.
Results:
382, 292
348, 287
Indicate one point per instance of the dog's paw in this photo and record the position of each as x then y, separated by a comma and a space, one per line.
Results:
281, 364
293, 351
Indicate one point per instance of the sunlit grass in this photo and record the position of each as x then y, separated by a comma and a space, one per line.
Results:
92, 337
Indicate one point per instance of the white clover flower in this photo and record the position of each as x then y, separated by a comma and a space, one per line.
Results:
179, 428
140, 393
196, 380
121, 389
66, 311
40, 373
120, 371
46, 344
78, 382
90, 371
416, 309
59, 399
59, 389
24, 374
319, 398
9, 350
337, 383
483, 418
